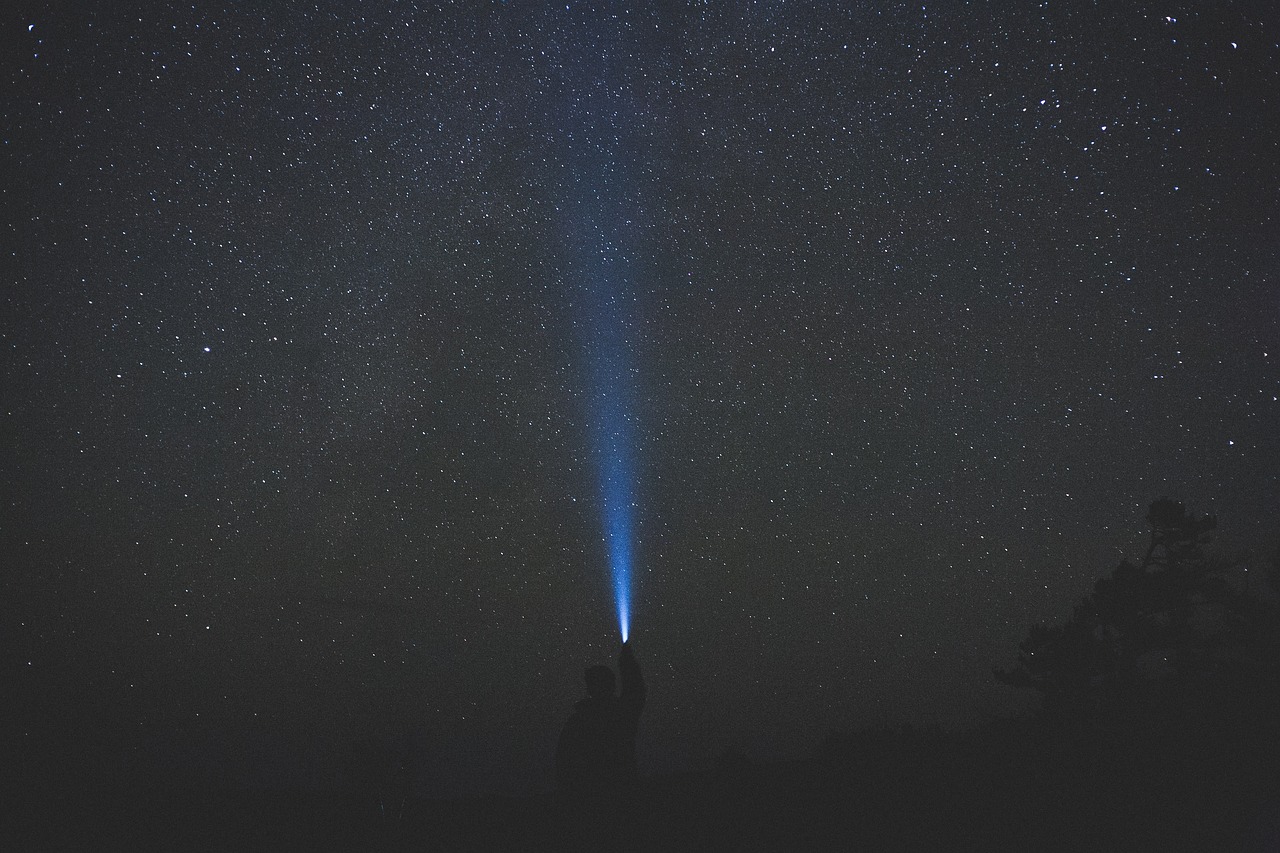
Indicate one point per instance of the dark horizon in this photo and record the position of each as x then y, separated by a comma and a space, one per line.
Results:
921, 308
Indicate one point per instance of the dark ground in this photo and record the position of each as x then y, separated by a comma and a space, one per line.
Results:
1174, 774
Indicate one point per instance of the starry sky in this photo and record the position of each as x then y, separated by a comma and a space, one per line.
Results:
314, 317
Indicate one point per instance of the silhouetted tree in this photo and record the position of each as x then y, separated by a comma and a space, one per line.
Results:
1171, 620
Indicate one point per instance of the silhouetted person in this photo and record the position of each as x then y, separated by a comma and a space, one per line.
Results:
596, 760
596, 756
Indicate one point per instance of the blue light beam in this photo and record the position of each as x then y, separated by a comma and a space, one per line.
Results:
603, 318
599, 129
613, 449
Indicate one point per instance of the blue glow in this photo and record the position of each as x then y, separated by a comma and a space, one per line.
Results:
616, 492
601, 139
610, 416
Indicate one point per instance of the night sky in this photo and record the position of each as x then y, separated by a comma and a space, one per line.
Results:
336, 342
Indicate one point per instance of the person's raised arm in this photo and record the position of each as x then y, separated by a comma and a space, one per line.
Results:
633, 690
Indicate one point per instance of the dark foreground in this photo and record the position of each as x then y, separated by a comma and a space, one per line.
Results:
1164, 779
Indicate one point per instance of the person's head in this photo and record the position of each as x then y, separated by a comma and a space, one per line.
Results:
599, 681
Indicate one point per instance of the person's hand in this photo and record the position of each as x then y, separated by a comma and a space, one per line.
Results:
626, 650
